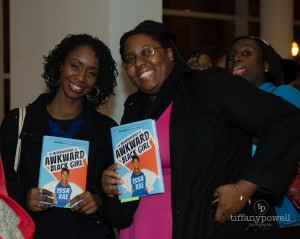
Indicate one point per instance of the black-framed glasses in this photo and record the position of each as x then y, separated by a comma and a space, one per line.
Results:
145, 53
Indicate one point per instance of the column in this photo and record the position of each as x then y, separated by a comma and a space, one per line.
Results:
276, 24
241, 26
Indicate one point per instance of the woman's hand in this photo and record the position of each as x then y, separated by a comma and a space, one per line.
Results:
110, 180
233, 198
35, 196
87, 203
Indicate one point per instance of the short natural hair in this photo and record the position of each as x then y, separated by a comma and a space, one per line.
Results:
135, 157
65, 170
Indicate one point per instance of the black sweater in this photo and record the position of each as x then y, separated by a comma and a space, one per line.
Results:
56, 222
213, 119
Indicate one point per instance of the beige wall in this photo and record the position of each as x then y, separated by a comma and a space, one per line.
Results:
38, 25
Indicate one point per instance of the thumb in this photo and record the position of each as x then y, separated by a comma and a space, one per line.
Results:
217, 193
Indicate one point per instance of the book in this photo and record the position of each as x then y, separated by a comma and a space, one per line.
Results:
136, 149
63, 169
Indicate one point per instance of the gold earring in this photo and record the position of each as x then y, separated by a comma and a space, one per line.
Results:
266, 68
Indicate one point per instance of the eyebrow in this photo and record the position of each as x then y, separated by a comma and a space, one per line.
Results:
92, 67
139, 49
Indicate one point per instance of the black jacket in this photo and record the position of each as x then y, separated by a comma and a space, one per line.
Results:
213, 119
56, 222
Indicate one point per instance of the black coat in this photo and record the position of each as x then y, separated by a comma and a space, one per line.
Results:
56, 222
213, 119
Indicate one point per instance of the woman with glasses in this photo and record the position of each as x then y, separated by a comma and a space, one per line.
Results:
205, 122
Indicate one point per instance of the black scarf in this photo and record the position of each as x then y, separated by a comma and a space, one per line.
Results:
138, 105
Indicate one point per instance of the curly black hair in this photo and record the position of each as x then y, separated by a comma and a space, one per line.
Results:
106, 80
275, 72
158, 31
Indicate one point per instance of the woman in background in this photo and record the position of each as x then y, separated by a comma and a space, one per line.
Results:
198, 60
255, 60
208, 56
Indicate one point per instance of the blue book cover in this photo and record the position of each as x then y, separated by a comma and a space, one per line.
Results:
63, 169
136, 149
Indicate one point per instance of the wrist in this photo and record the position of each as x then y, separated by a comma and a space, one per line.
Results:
246, 189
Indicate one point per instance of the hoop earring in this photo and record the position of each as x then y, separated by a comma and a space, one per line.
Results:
266, 68
53, 82
94, 98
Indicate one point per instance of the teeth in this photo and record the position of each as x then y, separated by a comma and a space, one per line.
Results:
236, 68
145, 74
76, 87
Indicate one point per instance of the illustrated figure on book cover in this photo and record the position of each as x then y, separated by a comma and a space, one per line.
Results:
138, 179
63, 190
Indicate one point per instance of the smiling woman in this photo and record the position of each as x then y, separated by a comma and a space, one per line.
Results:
158, 59
205, 126
80, 75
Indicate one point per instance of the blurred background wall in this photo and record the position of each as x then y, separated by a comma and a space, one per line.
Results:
31, 28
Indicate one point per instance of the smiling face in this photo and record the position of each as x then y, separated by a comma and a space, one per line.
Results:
246, 60
79, 72
149, 74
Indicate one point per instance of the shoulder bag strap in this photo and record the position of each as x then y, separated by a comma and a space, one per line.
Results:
2, 180
22, 113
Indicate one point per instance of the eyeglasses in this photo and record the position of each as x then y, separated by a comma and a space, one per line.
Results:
143, 55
